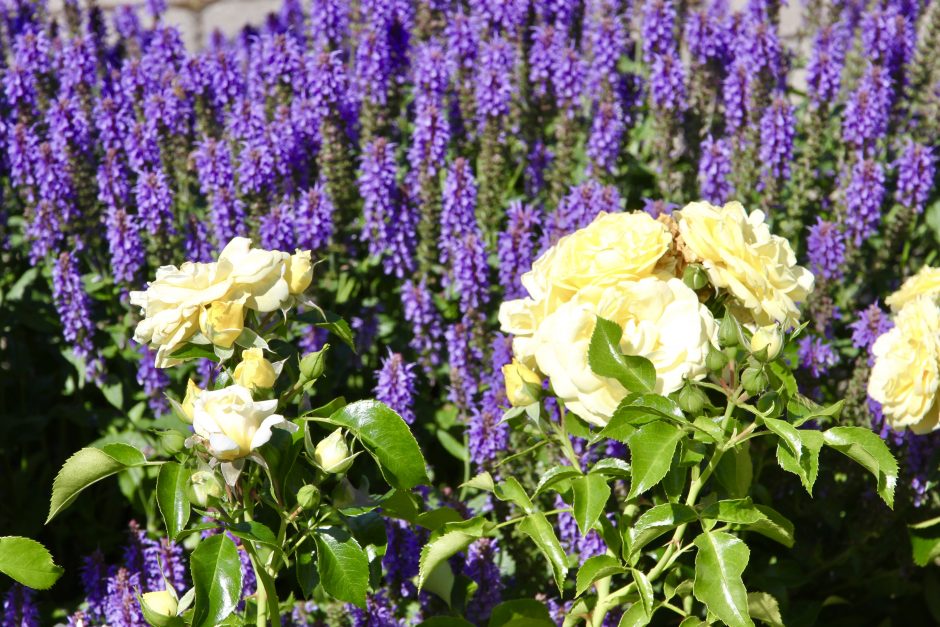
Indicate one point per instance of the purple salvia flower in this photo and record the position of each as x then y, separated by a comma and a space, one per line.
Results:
482, 568
568, 74
817, 355
567, 526
736, 90
591, 545
537, 164
156, 8
141, 143
425, 321
329, 21
124, 245
917, 168
825, 248
607, 42
77, 66
121, 606
396, 386
667, 82
872, 323
373, 64
378, 612
154, 202
461, 241
863, 198
430, 75
69, 130
112, 178
888, 37
487, 436
658, 28
126, 23
19, 608
74, 308
401, 557
463, 359
32, 51
507, 16
20, 88
777, 129
865, 119
462, 41
94, 576
164, 564
429, 140
824, 71
607, 129
228, 215
516, 247
111, 122
707, 35
541, 58
714, 170
256, 166
44, 231
154, 382
493, 88
276, 60
378, 189
314, 219
197, 245
758, 47
22, 145
213, 161
276, 229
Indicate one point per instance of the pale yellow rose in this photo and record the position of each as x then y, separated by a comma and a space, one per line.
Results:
160, 602
662, 320
905, 378
925, 282
299, 272
523, 387
233, 424
767, 342
223, 321
258, 275
189, 401
332, 453
254, 371
742, 256
521, 318
172, 303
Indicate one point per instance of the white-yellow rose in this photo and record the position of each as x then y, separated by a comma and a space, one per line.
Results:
254, 371
925, 282
742, 256
905, 378
662, 320
257, 274
767, 342
160, 602
233, 424
299, 272
523, 387
223, 321
171, 305
520, 318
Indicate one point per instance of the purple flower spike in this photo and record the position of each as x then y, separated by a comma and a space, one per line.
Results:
826, 249
917, 168
777, 129
396, 386
714, 170
863, 198
516, 247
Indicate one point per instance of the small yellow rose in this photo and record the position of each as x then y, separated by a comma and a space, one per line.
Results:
192, 393
254, 371
523, 387
925, 282
233, 424
223, 321
332, 453
161, 602
299, 272
767, 342
905, 378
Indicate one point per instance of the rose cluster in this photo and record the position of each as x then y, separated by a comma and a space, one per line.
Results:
628, 268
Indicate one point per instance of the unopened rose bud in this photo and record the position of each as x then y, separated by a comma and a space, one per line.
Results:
223, 321
192, 393
728, 332
160, 603
754, 380
204, 487
254, 371
313, 364
716, 360
172, 441
299, 272
691, 399
332, 453
308, 497
766, 343
523, 387
695, 276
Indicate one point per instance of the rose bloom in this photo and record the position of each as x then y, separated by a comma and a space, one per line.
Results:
906, 376
233, 424
661, 320
614, 248
254, 371
257, 274
925, 282
742, 256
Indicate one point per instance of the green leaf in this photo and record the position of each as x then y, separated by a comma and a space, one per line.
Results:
590, 496
448, 541
194, 351
28, 562
537, 527
343, 565
512, 491
637, 410
88, 466
217, 578
871, 452
802, 409
387, 438
720, 560
807, 466
788, 434
764, 607
452, 446
658, 520
925, 541
554, 476
735, 471
171, 497
758, 518
775, 526
636, 374
611, 467
645, 589
306, 569
481, 481
256, 532
595, 568
636, 616
651, 450
521, 613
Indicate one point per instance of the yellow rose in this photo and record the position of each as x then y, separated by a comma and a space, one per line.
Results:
233, 424
192, 393
906, 376
523, 387
171, 305
254, 371
223, 321
299, 272
742, 256
160, 602
662, 320
926, 281
257, 274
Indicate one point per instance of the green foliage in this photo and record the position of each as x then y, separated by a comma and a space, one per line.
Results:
343, 566
28, 562
217, 580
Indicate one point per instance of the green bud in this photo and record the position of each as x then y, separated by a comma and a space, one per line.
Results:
695, 276
204, 487
716, 360
308, 497
332, 454
754, 380
766, 343
313, 364
172, 441
728, 332
691, 399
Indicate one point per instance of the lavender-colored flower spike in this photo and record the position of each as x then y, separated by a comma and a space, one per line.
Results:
154, 382
154, 202
607, 42
863, 198
516, 247
578, 209
607, 131
74, 308
487, 437
430, 75
493, 89
19, 608
401, 558
667, 81
461, 241
121, 606
378, 612
373, 64
569, 73
888, 37
817, 355
825, 247
329, 21
707, 34
197, 244
464, 359
658, 28
865, 119
396, 386
482, 568
378, 189
425, 321
824, 71
94, 576
228, 215
714, 170
917, 168
736, 89
777, 129
277, 227
124, 245
314, 219
541, 58
872, 322
463, 41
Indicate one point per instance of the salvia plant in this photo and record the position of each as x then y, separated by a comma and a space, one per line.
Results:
644, 293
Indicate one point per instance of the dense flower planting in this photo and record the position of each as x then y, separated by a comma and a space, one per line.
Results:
481, 188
